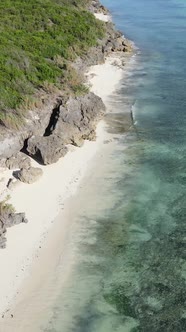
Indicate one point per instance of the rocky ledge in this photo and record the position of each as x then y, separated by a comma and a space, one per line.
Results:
71, 123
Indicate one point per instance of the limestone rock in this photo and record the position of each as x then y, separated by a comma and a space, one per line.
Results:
20, 160
78, 119
3, 163
127, 45
117, 44
10, 143
46, 150
37, 120
3, 241
97, 7
29, 175
9, 219
14, 219
76, 122
12, 183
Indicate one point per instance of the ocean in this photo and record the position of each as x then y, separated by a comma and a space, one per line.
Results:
130, 233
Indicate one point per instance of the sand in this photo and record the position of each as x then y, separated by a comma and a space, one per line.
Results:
104, 79
41, 202
103, 17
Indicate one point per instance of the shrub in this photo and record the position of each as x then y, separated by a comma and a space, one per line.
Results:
37, 40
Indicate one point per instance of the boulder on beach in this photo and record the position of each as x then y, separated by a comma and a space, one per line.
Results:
78, 119
29, 175
8, 218
12, 219
46, 150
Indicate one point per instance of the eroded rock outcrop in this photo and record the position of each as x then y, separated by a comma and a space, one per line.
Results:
36, 121
78, 118
76, 121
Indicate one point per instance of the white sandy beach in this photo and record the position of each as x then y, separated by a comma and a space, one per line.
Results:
43, 200
103, 17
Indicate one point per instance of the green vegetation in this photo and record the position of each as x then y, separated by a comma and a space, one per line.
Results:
38, 38
6, 208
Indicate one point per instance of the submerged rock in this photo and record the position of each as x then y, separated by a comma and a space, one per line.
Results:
139, 234
120, 301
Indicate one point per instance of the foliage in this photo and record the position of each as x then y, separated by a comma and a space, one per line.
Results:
6, 207
37, 39
73, 81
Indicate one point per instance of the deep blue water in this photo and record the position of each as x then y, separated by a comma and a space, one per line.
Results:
132, 277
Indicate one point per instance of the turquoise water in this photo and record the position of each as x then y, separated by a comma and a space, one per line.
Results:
130, 239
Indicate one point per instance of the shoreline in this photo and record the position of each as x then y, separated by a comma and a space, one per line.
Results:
25, 241
28, 246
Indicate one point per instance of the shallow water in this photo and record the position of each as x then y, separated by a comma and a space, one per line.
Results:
130, 232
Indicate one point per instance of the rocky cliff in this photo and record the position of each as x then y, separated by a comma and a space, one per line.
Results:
59, 119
